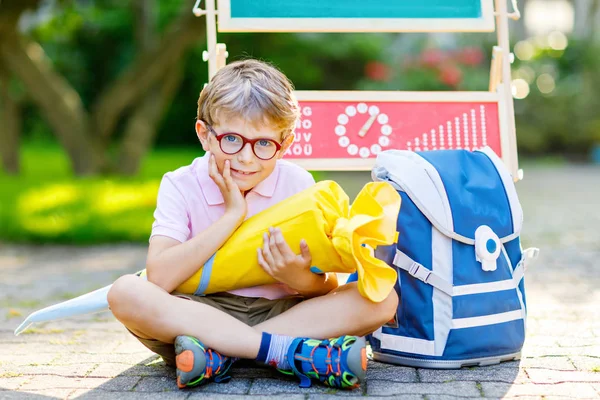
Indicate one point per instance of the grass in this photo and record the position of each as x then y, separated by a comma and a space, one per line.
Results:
46, 203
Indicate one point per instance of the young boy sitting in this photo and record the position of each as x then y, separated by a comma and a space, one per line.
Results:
245, 122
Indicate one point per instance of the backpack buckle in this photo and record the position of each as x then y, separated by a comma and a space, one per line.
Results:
419, 272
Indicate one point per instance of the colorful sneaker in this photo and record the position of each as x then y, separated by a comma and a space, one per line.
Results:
339, 362
196, 364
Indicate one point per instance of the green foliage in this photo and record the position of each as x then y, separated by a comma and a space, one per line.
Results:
47, 204
90, 43
560, 114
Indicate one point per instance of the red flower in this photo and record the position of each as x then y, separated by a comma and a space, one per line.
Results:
432, 58
377, 71
450, 75
471, 56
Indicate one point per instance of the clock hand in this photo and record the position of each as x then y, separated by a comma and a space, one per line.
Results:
363, 131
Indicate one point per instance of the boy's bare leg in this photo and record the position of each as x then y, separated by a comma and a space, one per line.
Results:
150, 312
341, 312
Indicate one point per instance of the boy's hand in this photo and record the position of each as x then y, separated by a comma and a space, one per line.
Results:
235, 203
280, 262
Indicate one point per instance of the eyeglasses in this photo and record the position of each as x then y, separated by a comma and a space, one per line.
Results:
232, 143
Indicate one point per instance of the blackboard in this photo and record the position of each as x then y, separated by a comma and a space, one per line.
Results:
355, 15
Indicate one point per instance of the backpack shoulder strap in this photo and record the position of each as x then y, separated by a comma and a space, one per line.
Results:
417, 270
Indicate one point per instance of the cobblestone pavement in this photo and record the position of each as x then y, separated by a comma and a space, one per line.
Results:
94, 357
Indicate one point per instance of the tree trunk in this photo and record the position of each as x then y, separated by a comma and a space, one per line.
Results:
143, 124
10, 127
58, 102
86, 136
150, 67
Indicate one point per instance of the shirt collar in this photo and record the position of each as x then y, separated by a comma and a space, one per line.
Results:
212, 193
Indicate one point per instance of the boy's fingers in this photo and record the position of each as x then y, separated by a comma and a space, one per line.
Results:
213, 172
266, 252
277, 257
305, 251
282, 246
263, 263
227, 175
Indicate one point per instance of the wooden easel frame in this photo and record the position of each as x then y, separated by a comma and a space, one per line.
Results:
500, 74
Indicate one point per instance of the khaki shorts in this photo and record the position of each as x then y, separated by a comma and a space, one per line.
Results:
250, 310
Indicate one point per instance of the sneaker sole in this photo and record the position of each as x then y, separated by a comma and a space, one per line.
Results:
189, 359
357, 359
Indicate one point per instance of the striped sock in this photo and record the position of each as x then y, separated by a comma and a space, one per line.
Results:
273, 350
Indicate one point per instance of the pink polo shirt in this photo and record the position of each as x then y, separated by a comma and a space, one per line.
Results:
189, 202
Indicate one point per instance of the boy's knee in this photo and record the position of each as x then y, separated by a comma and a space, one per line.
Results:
121, 295
389, 306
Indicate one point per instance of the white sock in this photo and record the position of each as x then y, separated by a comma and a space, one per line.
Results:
278, 348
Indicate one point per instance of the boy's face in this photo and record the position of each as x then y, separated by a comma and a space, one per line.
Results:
247, 170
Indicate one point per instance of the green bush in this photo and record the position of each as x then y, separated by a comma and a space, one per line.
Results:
560, 114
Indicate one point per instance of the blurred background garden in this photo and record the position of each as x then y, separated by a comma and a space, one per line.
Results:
98, 98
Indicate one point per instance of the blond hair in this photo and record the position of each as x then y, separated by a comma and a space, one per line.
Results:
252, 90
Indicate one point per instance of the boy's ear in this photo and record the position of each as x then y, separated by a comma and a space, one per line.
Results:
287, 142
202, 133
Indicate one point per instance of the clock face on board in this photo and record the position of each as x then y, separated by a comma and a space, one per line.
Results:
362, 130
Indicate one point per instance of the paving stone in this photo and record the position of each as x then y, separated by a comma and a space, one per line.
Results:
156, 384
132, 346
551, 376
106, 358
234, 386
577, 390
578, 342
385, 388
40, 382
13, 382
285, 386
26, 359
561, 363
393, 373
583, 363
213, 396
337, 397
455, 397
73, 370
93, 394
110, 370
10, 395
480, 374
593, 351
50, 393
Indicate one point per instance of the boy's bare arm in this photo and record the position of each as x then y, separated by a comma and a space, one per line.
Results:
318, 285
170, 263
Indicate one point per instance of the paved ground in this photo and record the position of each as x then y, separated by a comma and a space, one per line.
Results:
94, 357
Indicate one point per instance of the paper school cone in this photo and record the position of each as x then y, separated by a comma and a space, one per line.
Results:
88, 303
340, 239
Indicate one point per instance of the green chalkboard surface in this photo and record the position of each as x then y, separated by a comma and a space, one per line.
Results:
355, 15
356, 9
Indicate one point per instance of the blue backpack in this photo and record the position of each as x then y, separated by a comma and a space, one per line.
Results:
459, 261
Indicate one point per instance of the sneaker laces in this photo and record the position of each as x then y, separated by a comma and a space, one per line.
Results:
328, 359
